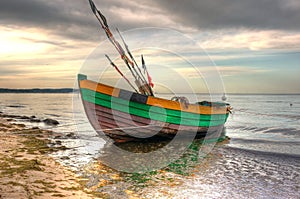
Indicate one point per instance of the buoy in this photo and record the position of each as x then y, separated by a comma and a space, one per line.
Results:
224, 98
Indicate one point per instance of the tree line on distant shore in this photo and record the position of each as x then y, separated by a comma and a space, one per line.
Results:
37, 90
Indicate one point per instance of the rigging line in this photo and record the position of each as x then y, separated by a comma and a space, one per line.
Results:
110, 36
131, 56
139, 72
113, 64
150, 84
101, 18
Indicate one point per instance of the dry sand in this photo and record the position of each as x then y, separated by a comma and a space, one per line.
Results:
26, 169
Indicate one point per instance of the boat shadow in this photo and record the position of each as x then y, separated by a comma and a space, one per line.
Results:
104, 174
153, 155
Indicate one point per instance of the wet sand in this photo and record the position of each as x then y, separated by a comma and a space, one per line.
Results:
27, 170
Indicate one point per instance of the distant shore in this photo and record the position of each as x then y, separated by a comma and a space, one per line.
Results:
71, 90
37, 90
26, 169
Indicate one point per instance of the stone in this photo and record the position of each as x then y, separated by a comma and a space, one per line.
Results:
50, 121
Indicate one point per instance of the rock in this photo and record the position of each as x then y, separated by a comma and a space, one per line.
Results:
6, 116
58, 142
58, 137
63, 148
70, 135
50, 122
11, 116
16, 106
35, 128
20, 125
35, 120
23, 117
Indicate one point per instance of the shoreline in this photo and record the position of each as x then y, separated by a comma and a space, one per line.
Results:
27, 170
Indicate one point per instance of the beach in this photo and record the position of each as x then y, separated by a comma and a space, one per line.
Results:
260, 160
27, 170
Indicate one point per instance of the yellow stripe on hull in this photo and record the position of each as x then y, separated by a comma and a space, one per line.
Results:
101, 88
154, 101
192, 108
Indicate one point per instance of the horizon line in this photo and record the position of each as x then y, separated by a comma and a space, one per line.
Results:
16, 90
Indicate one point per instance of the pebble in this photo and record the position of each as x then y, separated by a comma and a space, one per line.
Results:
50, 122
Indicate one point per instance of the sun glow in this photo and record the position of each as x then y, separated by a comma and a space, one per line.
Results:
18, 42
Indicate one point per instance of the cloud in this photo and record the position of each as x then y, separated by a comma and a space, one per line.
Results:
74, 19
66, 18
43, 39
253, 40
32, 54
219, 70
219, 14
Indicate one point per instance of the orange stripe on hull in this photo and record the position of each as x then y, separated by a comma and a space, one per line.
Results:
101, 88
154, 101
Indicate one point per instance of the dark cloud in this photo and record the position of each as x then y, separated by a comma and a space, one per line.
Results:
54, 16
73, 18
39, 13
213, 14
68, 18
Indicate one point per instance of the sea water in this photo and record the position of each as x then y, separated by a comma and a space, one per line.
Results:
261, 160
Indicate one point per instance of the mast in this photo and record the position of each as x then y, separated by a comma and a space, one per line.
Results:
140, 82
139, 72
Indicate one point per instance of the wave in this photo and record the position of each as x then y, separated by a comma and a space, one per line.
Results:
275, 130
283, 131
294, 157
289, 116
248, 128
53, 115
262, 141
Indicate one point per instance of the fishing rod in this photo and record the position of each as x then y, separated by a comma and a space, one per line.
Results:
110, 36
146, 71
140, 74
102, 20
129, 53
137, 80
118, 70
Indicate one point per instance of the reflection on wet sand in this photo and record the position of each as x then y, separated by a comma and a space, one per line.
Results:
122, 184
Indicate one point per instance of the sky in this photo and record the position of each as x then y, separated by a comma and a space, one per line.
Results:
254, 45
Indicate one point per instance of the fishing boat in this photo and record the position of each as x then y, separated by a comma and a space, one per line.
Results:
137, 115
